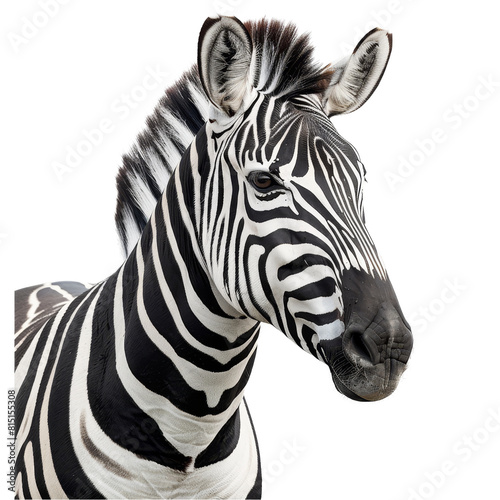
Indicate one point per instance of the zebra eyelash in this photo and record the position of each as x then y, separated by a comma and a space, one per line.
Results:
270, 196
275, 188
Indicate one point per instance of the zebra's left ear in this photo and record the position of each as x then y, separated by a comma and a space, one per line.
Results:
357, 76
224, 59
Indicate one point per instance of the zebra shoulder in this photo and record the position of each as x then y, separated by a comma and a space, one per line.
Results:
34, 305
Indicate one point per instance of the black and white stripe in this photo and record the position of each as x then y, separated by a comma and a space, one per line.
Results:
239, 204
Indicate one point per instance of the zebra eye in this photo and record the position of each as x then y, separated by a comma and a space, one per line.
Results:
262, 181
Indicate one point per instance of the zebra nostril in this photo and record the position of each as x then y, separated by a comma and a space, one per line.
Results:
364, 348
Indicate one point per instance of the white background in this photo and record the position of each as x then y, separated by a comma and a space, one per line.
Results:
437, 229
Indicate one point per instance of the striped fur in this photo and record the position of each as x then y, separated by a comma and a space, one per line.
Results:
133, 388
283, 67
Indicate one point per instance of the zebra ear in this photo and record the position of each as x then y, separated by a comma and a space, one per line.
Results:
357, 76
224, 58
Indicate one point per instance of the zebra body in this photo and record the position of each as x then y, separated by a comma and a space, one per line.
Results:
108, 452
131, 433
133, 388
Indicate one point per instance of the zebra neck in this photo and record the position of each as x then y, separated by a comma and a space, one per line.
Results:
183, 355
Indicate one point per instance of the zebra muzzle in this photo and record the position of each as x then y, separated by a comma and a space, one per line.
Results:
369, 357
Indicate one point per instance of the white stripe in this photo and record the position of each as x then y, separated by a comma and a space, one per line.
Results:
231, 328
149, 479
21, 372
188, 433
51, 480
30, 471
19, 486
34, 303
25, 362
211, 383
330, 331
61, 291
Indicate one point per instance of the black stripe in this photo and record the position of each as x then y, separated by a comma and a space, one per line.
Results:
163, 321
223, 444
113, 408
130, 282
319, 319
308, 334
29, 334
324, 287
157, 372
248, 280
220, 239
73, 479
197, 277
21, 406
256, 491
22, 306
25, 389
301, 263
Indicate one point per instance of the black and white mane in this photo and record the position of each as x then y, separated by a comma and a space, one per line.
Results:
283, 67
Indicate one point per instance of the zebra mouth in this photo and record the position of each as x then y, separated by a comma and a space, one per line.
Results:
369, 384
358, 372
369, 357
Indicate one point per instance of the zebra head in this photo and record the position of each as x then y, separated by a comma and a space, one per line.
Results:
279, 205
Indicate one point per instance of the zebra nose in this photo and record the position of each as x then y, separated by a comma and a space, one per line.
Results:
387, 336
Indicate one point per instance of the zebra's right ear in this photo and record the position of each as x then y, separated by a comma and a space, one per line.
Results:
224, 59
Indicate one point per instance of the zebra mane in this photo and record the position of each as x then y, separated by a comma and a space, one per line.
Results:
283, 67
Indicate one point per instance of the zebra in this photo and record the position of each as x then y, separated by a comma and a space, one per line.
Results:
239, 204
